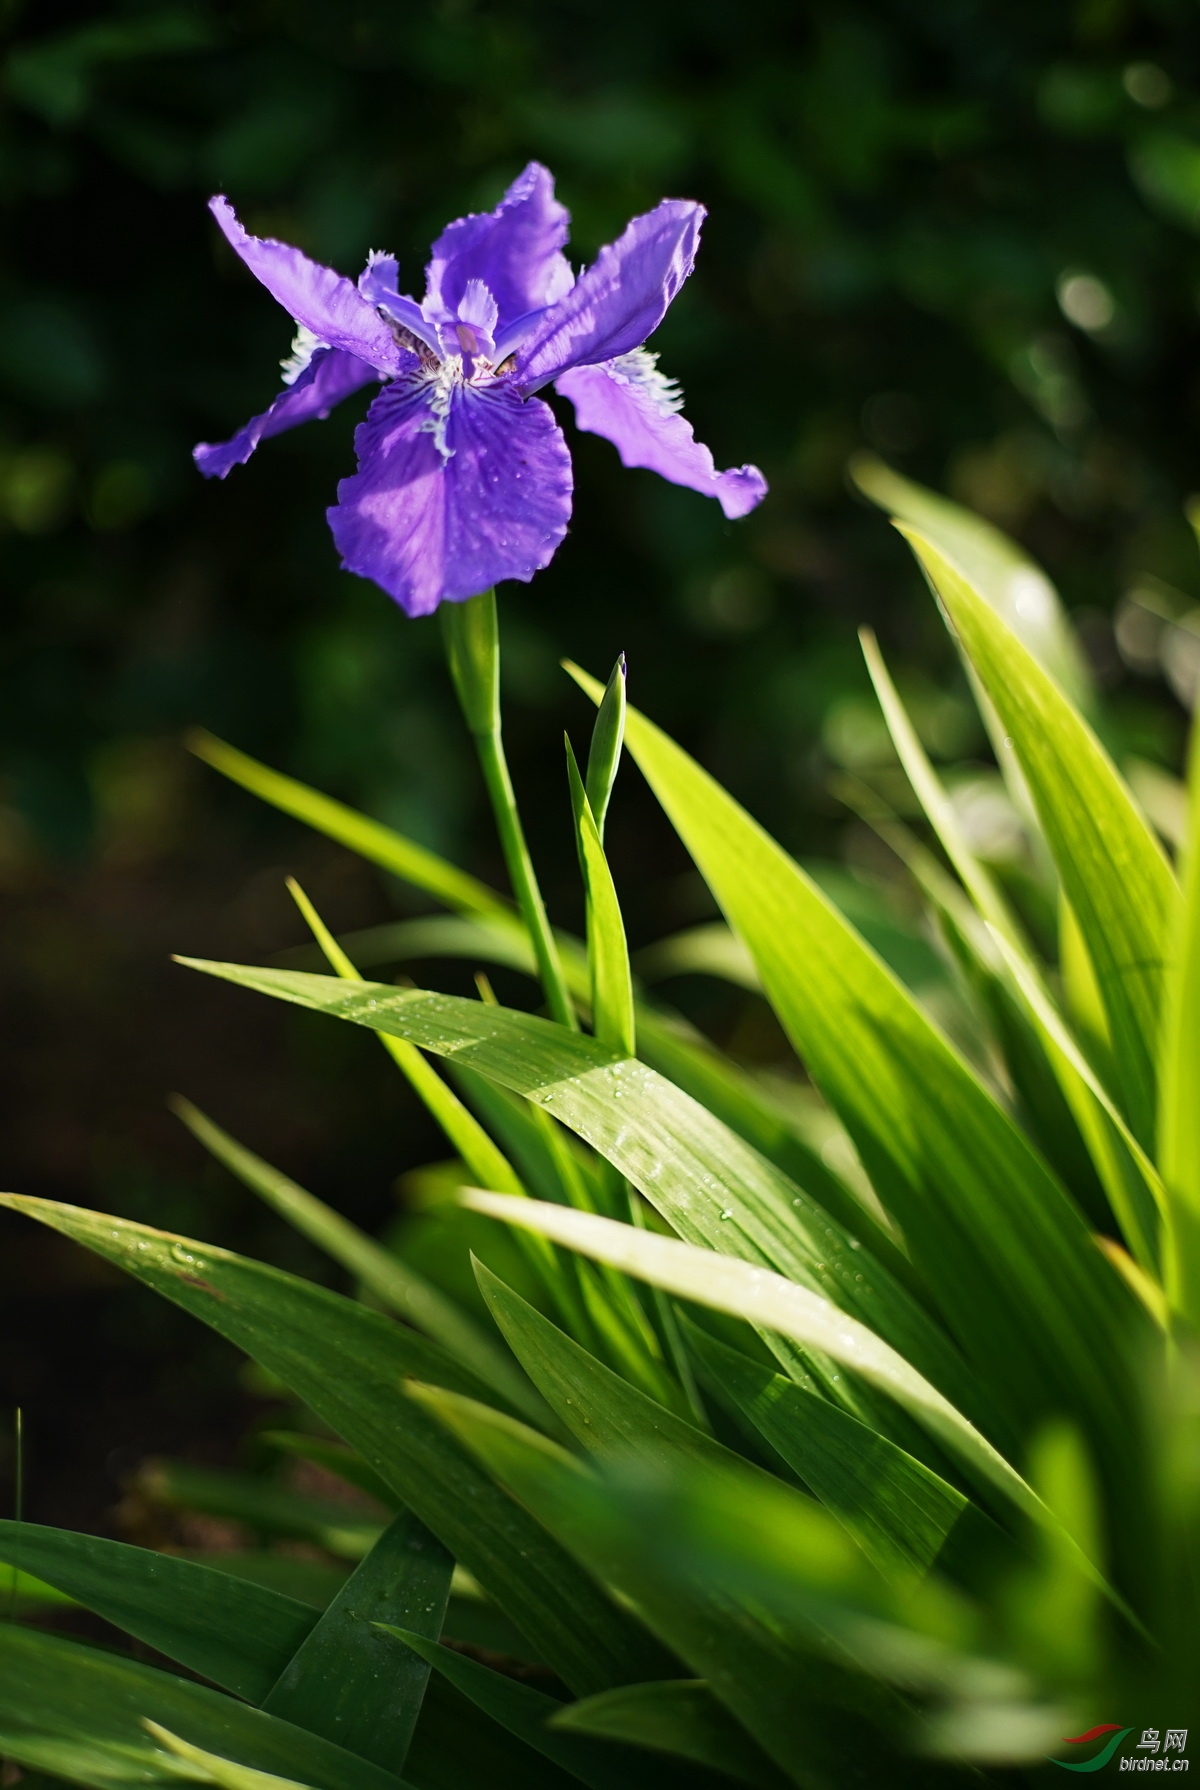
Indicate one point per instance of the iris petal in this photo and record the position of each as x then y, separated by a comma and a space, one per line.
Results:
618, 301
515, 251
379, 285
458, 486
325, 303
630, 403
329, 377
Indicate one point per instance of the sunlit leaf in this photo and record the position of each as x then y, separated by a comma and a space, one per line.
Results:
705, 1181
770, 1302
1129, 1178
349, 1364
1112, 867
1017, 589
1001, 1245
380, 845
1179, 1123
904, 1516
817, 1721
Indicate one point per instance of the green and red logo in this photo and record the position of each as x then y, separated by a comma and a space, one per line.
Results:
1150, 1753
1106, 1752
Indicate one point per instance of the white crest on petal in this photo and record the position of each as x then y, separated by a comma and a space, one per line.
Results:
479, 307
441, 393
304, 347
640, 368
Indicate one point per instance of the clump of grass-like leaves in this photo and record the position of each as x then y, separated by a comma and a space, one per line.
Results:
750, 1460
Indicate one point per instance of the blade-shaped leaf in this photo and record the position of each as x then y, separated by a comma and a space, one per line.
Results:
1130, 1180
770, 1302
459, 1747
381, 845
679, 1716
210, 1768
344, 1681
775, 1676
1016, 588
79, 1713
229, 1631
611, 1418
463, 1131
703, 1179
496, 934
608, 952
901, 1514
349, 1364
1113, 869
526, 1713
1002, 1246
666, 1042
1179, 1121
399, 1287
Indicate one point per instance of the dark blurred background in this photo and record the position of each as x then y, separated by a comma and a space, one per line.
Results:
965, 236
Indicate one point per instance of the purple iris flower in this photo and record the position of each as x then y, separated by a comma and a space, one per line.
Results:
463, 474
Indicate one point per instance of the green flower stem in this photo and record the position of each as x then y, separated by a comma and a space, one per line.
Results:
473, 650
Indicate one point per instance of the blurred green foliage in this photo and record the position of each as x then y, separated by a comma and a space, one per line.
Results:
965, 235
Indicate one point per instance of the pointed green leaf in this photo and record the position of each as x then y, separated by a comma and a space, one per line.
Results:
1004, 1250
380, 845
667, 1043
1129, 1178
210, 1768
349, 1364
904, 1517
343, 1681
611, 1418
772, 1673
526, 1713
229, 1631
463, 1131
496, 935
773, 1303
399, 1287
604, 753
679, 1716
78, 1713
1179, 1122
608, 952
1112, 867
1017, 589
704, 1180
